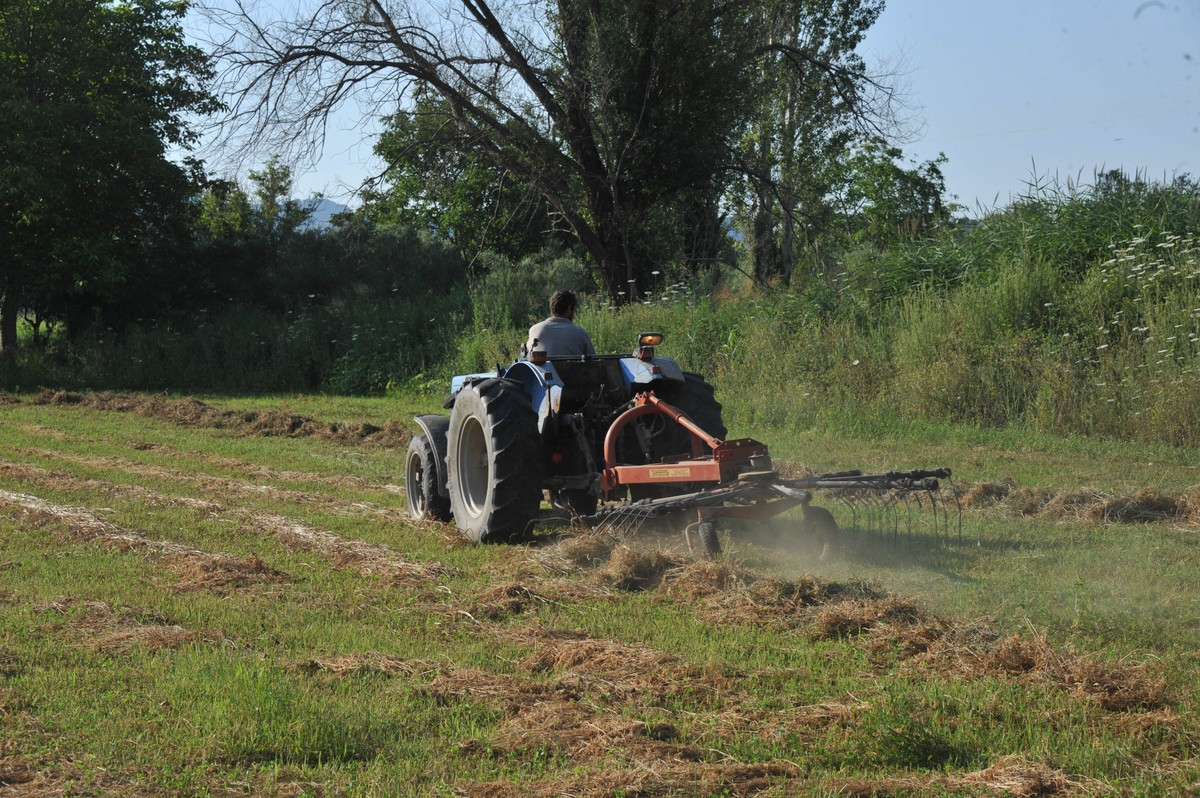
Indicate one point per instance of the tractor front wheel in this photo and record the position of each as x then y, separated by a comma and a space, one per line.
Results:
494, 460
420, 482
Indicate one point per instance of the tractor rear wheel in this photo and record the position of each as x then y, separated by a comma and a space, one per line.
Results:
420, 482
494, 460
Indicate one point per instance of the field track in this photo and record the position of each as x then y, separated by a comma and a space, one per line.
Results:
198, 600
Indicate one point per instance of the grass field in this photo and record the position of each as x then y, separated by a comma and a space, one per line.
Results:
227, 597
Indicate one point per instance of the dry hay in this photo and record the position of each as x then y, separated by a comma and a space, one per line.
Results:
1117, 687
152, 638
370, 662
1146, 505
21, 777
98, 626
219, 485
847, 618
706, 578
193, 412
666, 776
220, 570
985, 493
263, 472
578, 651
1013, 775
60, 480
367, 559
1035, 502
197, 569
218, 573
572, 554
628, 569
1017, 775
509, 692
504, 601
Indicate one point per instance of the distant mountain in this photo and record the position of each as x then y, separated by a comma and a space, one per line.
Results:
323, 211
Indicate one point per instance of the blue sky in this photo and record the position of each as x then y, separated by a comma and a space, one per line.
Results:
1009, 91
1014, 90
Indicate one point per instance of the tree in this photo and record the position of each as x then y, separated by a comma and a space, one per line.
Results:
92, 93
815, 101
441, 181
884, 202
624, 116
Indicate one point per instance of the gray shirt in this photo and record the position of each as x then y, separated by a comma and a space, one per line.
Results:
561, 337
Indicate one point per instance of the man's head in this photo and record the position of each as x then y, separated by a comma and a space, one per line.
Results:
563, 304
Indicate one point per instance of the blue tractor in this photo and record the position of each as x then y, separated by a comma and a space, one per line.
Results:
560, 426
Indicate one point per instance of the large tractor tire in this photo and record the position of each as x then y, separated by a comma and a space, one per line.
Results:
425, 503
494, 460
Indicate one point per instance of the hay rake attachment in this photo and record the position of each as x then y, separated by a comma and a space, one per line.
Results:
736, 480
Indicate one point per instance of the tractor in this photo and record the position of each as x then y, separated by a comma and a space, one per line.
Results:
610, 438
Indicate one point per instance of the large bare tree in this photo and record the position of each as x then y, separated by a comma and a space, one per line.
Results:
625, 116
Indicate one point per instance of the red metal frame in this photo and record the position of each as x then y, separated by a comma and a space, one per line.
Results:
728, 458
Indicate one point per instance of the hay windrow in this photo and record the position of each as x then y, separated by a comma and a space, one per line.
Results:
1116, 687
99, 626
661, 777
215, 571
846, 618
192, 412
632, 569
505, 600
1145, 505
197, 569
892, 627
367, 559
219, 484
371, 662
263, 472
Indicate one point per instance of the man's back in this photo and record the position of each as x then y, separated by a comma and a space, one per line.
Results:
561, 337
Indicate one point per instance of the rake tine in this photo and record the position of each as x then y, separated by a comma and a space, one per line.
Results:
945, 529
958, 507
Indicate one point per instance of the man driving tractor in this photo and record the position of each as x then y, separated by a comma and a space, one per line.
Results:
559, 335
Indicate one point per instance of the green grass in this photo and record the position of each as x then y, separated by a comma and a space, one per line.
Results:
447, 695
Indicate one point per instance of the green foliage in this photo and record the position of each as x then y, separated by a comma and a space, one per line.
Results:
443, 181
91, 95
884, 203
806, 99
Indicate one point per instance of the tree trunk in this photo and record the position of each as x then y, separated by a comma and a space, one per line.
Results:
10, 306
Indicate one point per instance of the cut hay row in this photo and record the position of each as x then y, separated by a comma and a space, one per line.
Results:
220, 485
724, 593
197, 569
367, 559
98, 626
244, 467
266, 473
1146, 505
573, 695
192, 412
